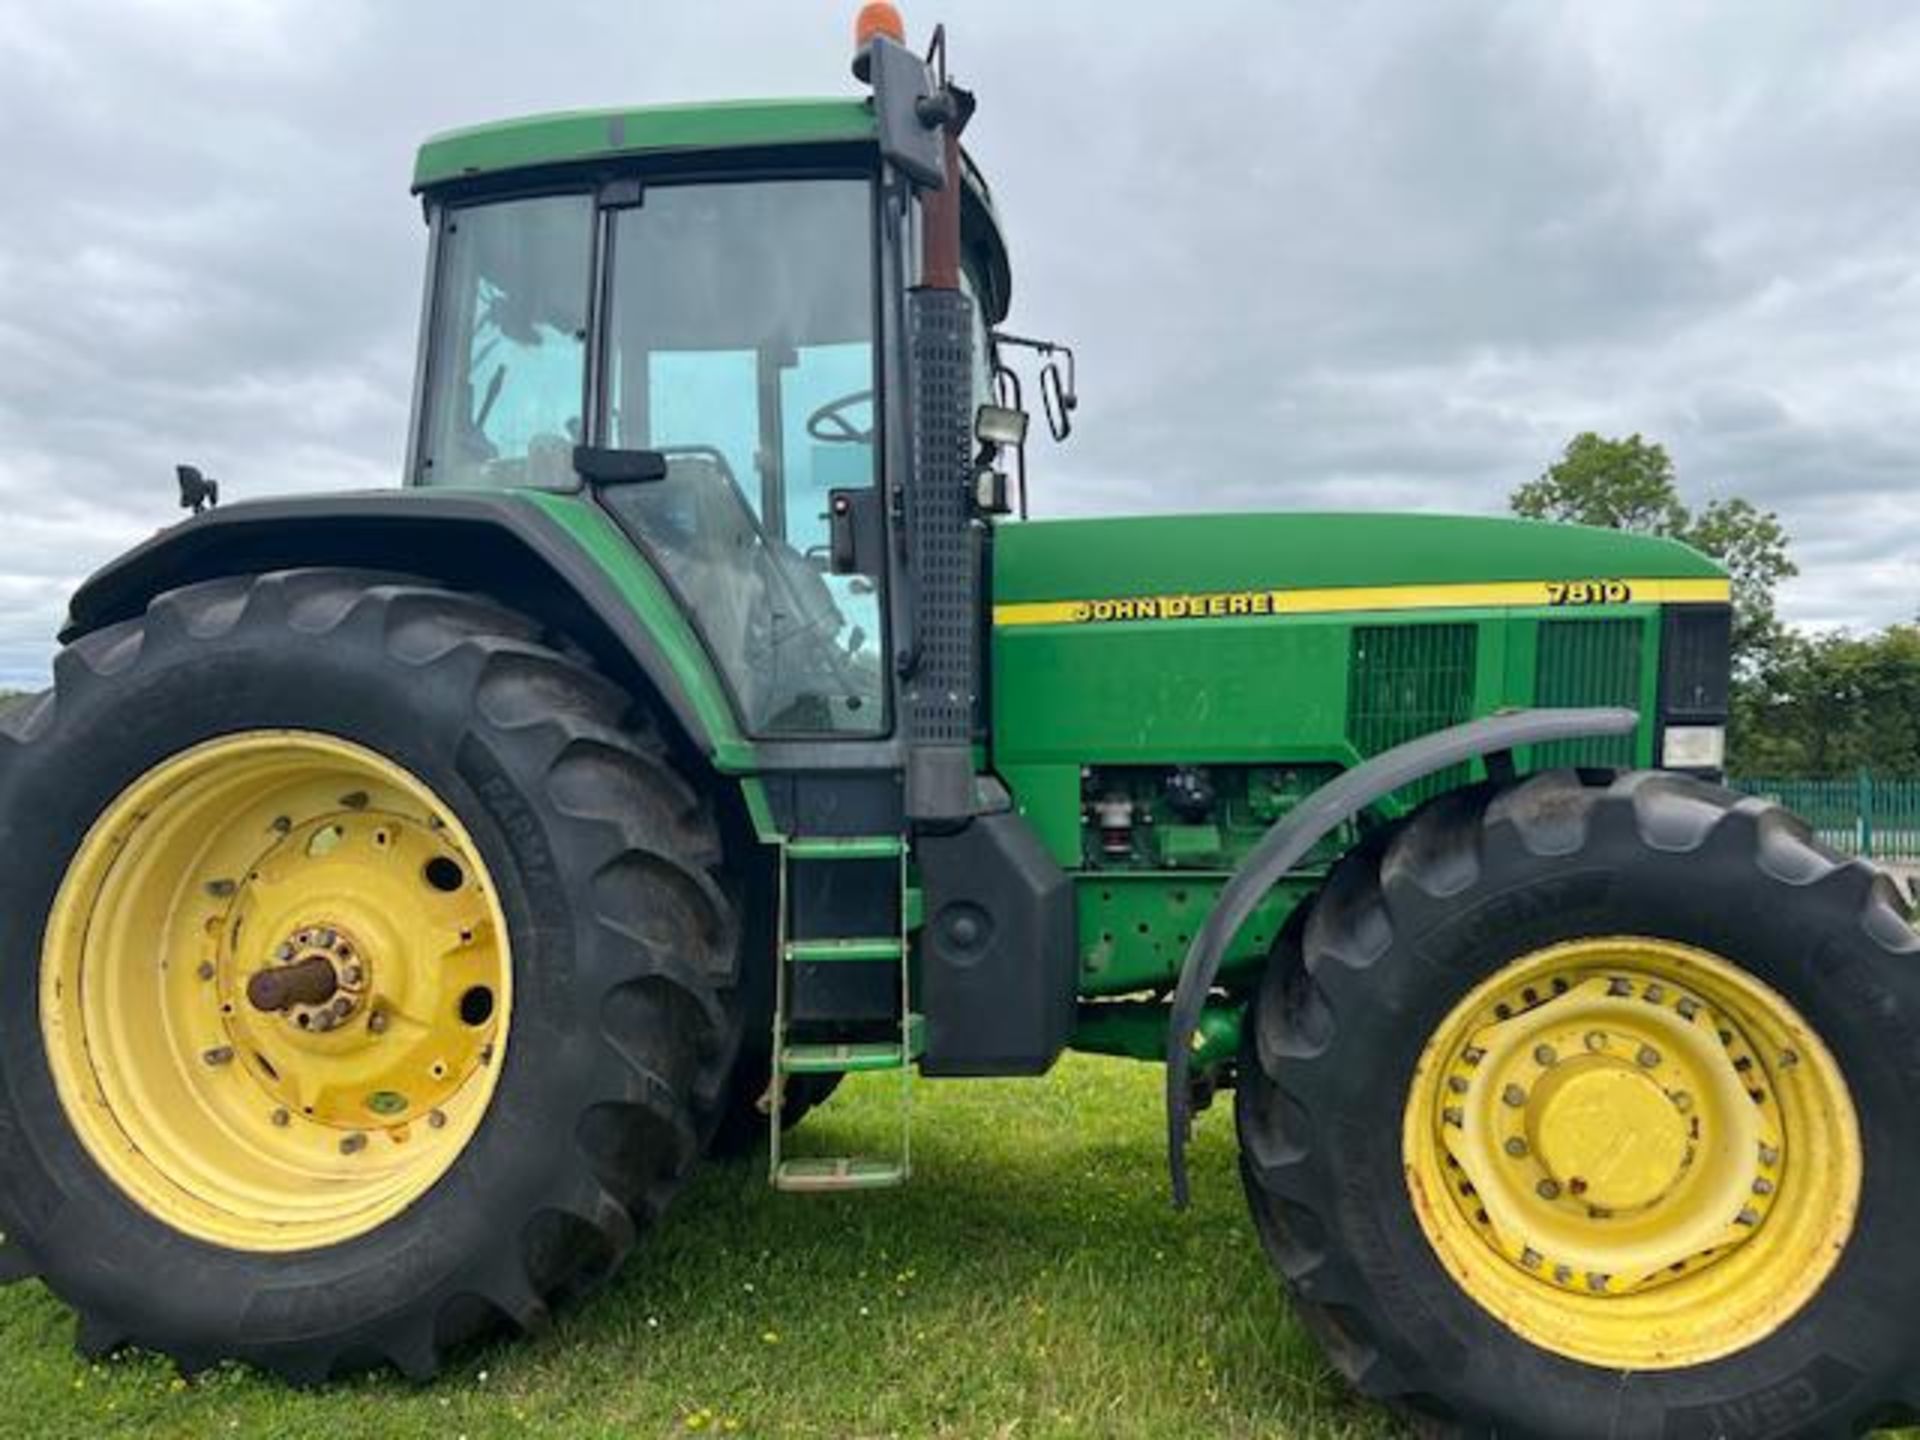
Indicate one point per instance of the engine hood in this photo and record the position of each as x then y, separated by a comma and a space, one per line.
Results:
1269, 559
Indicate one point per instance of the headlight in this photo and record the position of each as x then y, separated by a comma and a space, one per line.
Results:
1694, 747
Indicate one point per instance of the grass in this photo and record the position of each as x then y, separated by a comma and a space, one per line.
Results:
1032, 1281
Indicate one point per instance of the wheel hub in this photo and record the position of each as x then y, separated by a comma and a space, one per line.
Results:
1632, 1152
1608, 1135
316, 979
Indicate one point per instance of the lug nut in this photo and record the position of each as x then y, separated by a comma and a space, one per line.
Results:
1546, 1057
1596, 1040
351, 975
1648, 1057
219, 1055
377, 1022
280, 1118
437, 1119
1514, 1096
205, 972
1549, 1189
1517, 1148
353, 1144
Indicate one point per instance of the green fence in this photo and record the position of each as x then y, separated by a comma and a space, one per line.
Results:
1865, 815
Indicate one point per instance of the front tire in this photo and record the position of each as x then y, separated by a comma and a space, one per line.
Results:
271, 787
1524, 1051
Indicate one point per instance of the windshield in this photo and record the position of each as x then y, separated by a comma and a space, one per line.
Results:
508, 344
740, 345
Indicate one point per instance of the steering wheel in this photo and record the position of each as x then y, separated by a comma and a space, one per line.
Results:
830, 426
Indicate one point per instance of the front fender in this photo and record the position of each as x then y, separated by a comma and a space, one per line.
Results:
1304, 826
555, 557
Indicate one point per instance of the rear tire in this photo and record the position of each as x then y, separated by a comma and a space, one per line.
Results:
1340, 1043
624, 948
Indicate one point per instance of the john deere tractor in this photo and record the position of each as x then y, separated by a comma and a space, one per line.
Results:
405, 891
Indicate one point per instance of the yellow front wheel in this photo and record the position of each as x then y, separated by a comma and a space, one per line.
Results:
363, 976
1575, 1109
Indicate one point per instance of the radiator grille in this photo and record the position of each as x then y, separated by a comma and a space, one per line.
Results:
1405, 681
1588, 662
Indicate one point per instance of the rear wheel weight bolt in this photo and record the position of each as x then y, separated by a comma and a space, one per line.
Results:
1546, 1057
219, 1055
353, 1144
1648, 1057
377, 1022
1514, 1096
205, 972
1517, 1148
436, 1118
1549, 1190
1596, 1040
280, 1118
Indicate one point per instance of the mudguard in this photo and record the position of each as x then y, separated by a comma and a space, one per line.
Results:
1290, 840
555, 557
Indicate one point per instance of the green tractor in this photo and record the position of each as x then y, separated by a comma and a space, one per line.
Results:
405, 891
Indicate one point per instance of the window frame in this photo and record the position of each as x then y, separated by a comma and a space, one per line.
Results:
612, 188
428, 365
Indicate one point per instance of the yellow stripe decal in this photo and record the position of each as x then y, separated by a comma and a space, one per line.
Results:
1499, 595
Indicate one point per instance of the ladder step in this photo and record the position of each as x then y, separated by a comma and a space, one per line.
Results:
821, 1177
839, 1059
874, 947
846, 847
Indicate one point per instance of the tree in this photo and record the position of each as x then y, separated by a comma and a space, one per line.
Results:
1615, 484
1629, 485
1833, 705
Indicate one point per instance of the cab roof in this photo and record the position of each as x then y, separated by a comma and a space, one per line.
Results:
582, 137
576, 136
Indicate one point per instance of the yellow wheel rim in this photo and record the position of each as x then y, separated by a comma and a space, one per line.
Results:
275, 991
1632, 1153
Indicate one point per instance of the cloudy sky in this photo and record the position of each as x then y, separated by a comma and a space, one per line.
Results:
1314, 255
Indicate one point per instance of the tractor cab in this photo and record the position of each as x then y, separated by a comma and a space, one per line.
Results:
698, 318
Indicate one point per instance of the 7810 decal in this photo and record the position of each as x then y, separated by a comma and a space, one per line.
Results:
1589, 592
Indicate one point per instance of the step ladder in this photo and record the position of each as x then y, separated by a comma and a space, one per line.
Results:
829, 1055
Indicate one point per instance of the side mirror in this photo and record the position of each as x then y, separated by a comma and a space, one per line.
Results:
603, 465
1057, 396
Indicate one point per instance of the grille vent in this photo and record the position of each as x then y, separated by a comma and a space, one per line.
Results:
1405, 681
1588, 662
